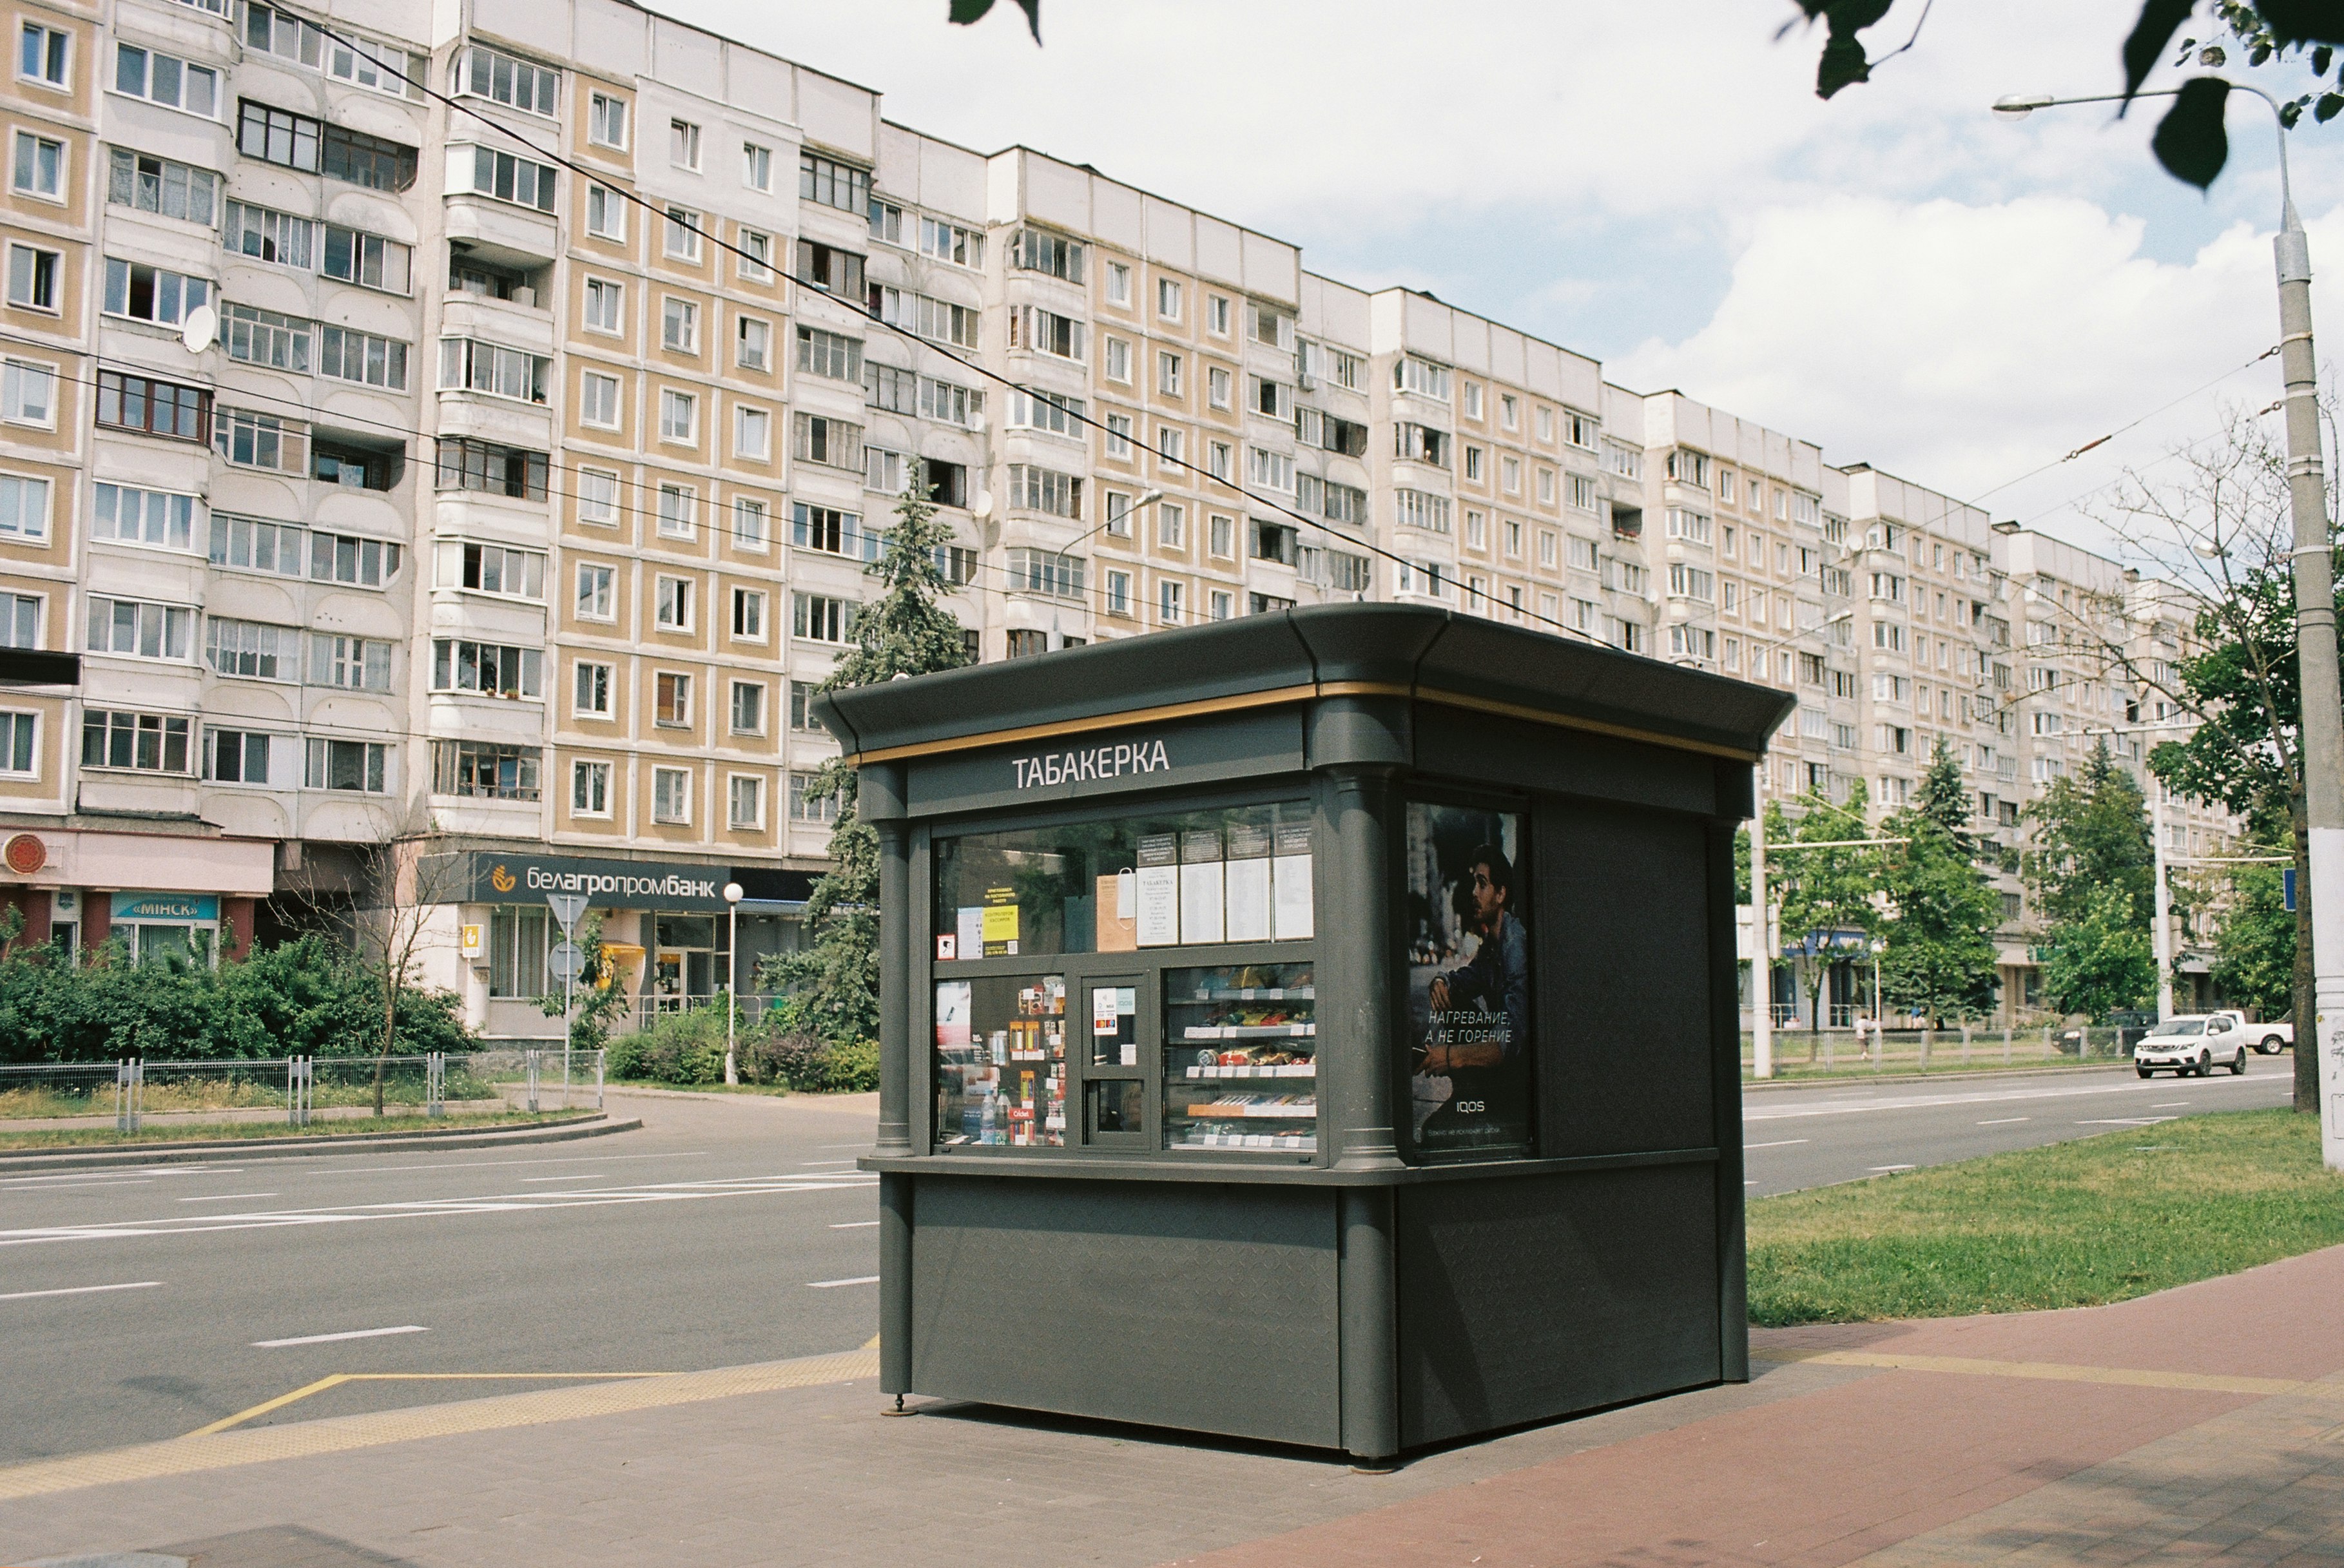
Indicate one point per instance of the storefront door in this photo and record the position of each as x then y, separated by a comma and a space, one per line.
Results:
684, 964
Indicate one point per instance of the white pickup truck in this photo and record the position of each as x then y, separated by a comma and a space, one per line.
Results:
2193, 1043
2269, 1039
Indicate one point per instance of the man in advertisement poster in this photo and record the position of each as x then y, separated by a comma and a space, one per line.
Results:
1481, 1009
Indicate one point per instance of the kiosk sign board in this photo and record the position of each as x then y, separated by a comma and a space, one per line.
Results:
1468, 981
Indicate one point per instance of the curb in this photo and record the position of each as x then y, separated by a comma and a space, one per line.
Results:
811, 1101
1769, 1085
598, 1124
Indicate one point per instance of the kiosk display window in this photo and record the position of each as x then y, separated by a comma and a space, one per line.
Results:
1177, 1011
1240, 1057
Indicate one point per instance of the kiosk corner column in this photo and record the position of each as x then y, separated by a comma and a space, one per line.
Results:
1725, 1009
879, 801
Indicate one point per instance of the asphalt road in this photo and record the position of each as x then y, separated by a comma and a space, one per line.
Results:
148, 1303
1816, 1134
725, 1231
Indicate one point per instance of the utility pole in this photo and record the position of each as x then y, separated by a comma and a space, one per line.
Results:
1761, 957
2163, 903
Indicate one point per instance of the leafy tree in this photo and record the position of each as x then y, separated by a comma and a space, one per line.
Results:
2254, 953
597, 993
1940, 957
901, 632
2087, 832
1824, 892
2189, 140
2100, 959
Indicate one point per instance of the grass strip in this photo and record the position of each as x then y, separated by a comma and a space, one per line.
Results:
231, 1132
2076, 1224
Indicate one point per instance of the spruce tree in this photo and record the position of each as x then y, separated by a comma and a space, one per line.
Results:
833, 980
1940, 959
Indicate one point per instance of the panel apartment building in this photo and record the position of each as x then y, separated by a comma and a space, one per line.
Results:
456, 498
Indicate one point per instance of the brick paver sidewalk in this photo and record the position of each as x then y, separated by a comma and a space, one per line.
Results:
2198, 1425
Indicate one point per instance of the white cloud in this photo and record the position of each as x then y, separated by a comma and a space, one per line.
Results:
1963, 346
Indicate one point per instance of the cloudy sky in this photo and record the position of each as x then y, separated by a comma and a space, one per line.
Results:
1897, 275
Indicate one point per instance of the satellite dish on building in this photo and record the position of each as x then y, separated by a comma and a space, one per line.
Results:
200, 329
981, 506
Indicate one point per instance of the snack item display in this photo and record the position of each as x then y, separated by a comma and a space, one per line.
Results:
1240, 1058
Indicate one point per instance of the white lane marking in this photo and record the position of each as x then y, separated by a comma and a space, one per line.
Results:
228, 1196
835, 1284
2004, 1120
63, 1185
1895, 1168
498, 1203
864, 1144
855, 1225
804, 1164
346, 1335
80, 1290
2167, 1105
487, 1164
584, 1175
1778, 1143
1860, 1106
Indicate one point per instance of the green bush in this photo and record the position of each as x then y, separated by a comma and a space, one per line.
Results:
688, 1050
672, 1048
309, 997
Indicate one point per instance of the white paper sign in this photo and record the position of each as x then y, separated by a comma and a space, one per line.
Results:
1249, 900
972, 931
1159, 905
1294, 907
1200, 902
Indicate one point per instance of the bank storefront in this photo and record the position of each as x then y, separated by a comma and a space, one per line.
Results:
664, 927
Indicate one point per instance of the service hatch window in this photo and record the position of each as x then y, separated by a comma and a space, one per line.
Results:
1239, 874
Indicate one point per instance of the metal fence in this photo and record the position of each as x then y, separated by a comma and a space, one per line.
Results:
754, 1005
294, 1089
1800, 1051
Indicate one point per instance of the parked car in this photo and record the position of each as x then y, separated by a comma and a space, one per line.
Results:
2270, 1038
2193, 1044
2130, 1023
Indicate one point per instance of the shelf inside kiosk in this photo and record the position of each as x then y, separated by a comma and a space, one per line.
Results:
1240, 1057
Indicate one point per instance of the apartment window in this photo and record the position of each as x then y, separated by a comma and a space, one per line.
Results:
749, 614
748, 708
598, 494
679, 511
167, 80
1473, 462
252, 649
590, 689
680, 326
598, 400
589, 788
1171, 525
830, 269
144, 742
1168, 375
1420, 377
1216, 315
40, 165
604, 301
1691, 582
33, 277
672, 795
671, 602
492, 469
1118, 593
165, 519
1035, 489
808, 803
749, 523
819, 618
606, 121
1048, 411
752, 435
1033, 250
830, 355
671, 700
492, 569
745, 800
831, 530
236, 756
1273, 469
1171, 444
42, 53
521, 181
1418, 509
678, 417
1693, 527
606, 213
138, 629
368, 260
493, 75
950, 242
20, 621
597, 592
490, 668
346, 354
1119, 435
1118, 283
247, 544
485, 770
126, 403
833, 443
164, 187
947, 403
756, 256
833, 184
680, 235
469, 365
752, 343
1046, 572
683, 145
353, 664
146, 293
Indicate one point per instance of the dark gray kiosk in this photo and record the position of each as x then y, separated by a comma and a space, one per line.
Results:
1319, 1028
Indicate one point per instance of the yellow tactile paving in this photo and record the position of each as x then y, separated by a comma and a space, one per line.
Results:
223, 1450
2061, 1371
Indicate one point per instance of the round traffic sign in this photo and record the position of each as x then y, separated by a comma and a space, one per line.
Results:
567, 961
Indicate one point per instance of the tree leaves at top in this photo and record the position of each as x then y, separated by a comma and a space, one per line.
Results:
2144, 44
2089, 831
2190, 140
965, 12
903, 631
1823, 896
1940, 957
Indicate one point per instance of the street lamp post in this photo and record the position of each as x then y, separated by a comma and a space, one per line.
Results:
731, 979
2321, 738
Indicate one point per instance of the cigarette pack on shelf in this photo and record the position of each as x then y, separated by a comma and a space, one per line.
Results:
1240, 1058
1001, 1061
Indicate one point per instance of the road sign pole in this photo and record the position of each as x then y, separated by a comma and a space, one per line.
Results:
567, 908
